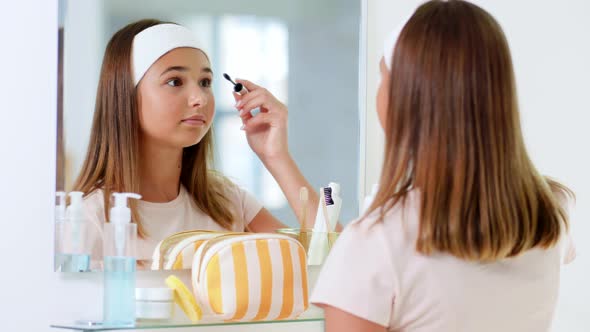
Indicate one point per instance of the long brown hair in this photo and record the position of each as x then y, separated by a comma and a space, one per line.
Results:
453, 133
112, 160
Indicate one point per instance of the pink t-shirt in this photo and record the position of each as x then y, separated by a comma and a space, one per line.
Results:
375, 273
163, 219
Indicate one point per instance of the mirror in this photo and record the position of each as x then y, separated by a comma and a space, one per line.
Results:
305, 52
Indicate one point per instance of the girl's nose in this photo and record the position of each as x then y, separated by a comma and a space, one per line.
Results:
197, 98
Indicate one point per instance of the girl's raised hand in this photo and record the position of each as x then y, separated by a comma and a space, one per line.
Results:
266, 132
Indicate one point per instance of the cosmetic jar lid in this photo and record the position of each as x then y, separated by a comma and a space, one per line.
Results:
154, 294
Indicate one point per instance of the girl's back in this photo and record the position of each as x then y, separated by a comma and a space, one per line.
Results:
375, 272
464, 234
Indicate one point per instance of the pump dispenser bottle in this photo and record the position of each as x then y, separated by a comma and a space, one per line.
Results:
73, 254
60, 218
60, 206
120, 236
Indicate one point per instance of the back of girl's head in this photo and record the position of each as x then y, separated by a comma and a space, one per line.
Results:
453, 133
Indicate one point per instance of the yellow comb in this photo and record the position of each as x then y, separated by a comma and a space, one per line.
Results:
184, 298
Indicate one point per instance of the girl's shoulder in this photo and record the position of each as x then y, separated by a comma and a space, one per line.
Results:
94, 206
229, 188
405, 209
94, 200
222, 183
244, 204
396, 229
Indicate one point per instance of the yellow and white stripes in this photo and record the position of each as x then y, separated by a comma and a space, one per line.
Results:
177, 250
180, 256
184, 260
252, 277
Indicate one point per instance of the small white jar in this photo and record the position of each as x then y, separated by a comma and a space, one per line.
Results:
154, 304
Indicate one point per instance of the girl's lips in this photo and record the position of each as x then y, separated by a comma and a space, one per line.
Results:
195, 120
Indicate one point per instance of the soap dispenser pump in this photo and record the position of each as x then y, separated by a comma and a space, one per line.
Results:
60, 218
72, 253
119, 263
77, 257
77, 218
60, 206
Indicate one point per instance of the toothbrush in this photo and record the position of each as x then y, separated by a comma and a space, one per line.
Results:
334, 210
318, 245
322, 218
327, 203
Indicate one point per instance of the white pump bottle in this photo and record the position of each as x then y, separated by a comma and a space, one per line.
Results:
60, 207
76, 219
119, 260
120, 217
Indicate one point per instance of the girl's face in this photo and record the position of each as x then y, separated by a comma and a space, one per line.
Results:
175, 98
383, 93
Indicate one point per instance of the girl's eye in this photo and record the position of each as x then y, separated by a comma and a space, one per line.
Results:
174, 82
206, 83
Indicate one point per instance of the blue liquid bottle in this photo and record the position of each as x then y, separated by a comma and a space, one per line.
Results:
72, 262
120, 237
119, 291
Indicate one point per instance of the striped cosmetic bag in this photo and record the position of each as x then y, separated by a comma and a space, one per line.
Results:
250, 277
177, 250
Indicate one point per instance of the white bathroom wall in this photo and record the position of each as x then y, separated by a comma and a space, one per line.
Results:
27, 145
550, 45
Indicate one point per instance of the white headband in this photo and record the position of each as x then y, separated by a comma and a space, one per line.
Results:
153, 42
389, 45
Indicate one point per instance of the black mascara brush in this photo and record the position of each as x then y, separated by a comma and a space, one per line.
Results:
238, 87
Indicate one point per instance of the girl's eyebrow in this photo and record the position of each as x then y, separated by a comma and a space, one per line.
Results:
177, 68
183, 69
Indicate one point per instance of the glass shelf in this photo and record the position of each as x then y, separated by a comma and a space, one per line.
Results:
313, 314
